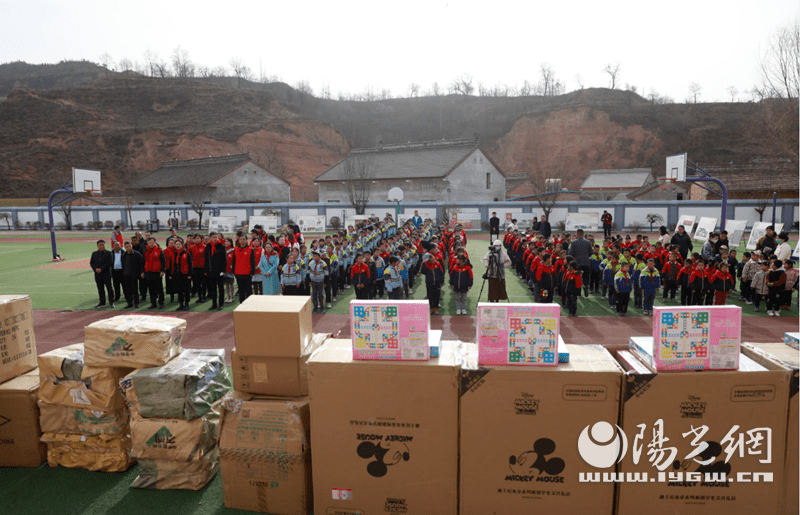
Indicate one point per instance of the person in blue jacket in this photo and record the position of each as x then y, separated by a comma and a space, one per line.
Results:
623, 285
434, 279
393, 279
269, 270
650, 283
609, 278
291, 276
461, 281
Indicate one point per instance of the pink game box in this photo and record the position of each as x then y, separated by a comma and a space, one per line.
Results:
697, 337
518, 334
390, 329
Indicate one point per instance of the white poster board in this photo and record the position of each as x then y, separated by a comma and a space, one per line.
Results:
687, 221
760, 229
269, 223
735, 230
796, 252
408, 215
223, 224
466, 220
585, 221
311, 223
705, 226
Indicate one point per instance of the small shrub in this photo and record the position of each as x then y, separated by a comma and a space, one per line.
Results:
140, 225
37, 225
562, 225
335, 222
17, 225
636, 226
78, 226
61, 226
109, 224
192, 223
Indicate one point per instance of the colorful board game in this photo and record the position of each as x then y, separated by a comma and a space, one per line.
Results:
792, 340
518, 334
696, 337
391, 329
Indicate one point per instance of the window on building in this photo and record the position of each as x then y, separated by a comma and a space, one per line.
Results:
156, 203
488, 181
172, 203
333, 200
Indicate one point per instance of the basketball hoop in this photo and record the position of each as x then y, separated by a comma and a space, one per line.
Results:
95, 193
667, 179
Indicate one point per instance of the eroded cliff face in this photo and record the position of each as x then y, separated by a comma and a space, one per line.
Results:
568, 143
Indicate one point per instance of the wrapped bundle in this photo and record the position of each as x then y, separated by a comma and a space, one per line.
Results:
174, 438
55, 418
133, 341
101, 453
172, 475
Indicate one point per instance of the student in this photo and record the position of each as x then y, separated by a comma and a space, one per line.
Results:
572, 287
380, 266
623, 286
216, 259
291, 276
545, 280
649, 283
198, 251
723, 283
154, 266
609, 277
393, 279
699, 283
636, 270
791, 284
670, 272
268, 264
258, 277
434, 279
244, 267
360, 278
461, 281
229, 277
747, 269
181, 270
776, 282
328, 287
317, 271
596, 273
711, 269
132, 269
758, 285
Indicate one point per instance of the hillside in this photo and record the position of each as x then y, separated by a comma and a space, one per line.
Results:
126, 126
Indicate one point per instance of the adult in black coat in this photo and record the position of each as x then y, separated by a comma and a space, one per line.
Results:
132, 270
494, 227
216, 263
101, 262
684, 242
545, 228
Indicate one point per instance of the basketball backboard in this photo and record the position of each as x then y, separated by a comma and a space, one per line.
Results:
395, 195
676, 167
85, 180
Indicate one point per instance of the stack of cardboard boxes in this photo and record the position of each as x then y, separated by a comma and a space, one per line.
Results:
264, 440
20, 434
175, 410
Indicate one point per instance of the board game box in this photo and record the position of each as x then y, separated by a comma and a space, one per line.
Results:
518, 334
390, 329
697, 337
792, 340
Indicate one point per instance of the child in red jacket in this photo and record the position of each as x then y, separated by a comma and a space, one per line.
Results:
573, 282
723, 283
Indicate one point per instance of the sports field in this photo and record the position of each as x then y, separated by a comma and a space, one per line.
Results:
26, 267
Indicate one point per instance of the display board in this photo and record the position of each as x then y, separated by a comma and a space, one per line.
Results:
311, 223
687, 221
223, 224
269, 222
735, 230
705, 226
760, 229
585, 221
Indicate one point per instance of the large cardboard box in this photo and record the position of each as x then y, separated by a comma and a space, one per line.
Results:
520, 434
681, 426
390, 329
133, 341
276, 326
67, 381
790, 357
174, 438
518, 334
264, 451
17, 342
384, 435
696, 337
55, 418
19, 423
101, 453
177, 475
266, 375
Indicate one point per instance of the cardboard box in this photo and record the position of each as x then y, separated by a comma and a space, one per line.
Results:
185, 388
264, 451
390, 329
276, 326
55, 418
133, 341
384, 435
792, 340
434, 342
101, 453
67, 381
19, 423
521, 429
790, 358
175, 439
17, 342
692, 408
697, 337
518, 334
263, 375
177, 475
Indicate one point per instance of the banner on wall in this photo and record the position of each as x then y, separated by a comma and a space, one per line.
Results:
223, 224
585, 221
760, 229
269, 222
735, 230
311, 223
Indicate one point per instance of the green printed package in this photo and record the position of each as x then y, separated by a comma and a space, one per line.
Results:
184, 388
177, 475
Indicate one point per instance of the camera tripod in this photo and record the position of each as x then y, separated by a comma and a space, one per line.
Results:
495, 269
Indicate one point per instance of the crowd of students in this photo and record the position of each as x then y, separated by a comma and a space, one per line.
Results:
374, 257
618, 269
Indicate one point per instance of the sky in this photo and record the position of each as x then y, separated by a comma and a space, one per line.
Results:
352, 46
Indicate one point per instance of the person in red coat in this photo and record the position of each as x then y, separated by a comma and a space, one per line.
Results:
169, 254
198, 251
573, 282
181, 274
154, 267
244, 267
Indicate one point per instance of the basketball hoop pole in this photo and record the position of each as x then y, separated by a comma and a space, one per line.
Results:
66, 188
706, 177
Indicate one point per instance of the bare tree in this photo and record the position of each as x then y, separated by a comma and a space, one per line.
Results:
106, 61
325, 91
733, 92
761, 205
182, 66
219, 71
613, 72
240, 70
547, 76
413, 90
358, 173
197, 195
462, 85
274, 162
66, 212
125, 64
436, 89
129, 200
694, 91
303, 86
7, 217
653, 218
579, 80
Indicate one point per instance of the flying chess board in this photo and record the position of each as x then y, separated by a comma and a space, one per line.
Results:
518, 334
396, 330
684, 335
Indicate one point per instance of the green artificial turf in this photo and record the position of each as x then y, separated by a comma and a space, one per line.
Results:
64, 289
